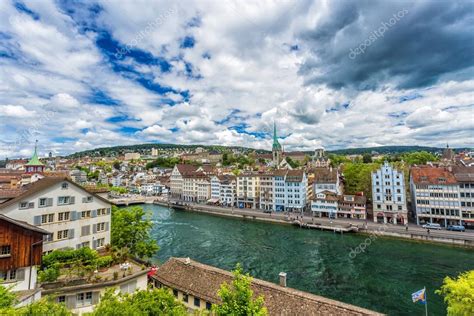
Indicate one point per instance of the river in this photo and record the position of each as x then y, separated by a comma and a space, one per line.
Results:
381, 278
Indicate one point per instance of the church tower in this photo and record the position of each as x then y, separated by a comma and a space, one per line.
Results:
276, 148
34, 165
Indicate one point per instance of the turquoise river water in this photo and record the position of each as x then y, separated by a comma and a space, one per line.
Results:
382, 278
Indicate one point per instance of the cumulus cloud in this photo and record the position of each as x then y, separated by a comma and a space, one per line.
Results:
222, 72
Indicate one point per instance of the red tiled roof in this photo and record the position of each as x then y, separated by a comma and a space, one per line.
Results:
432, 175
204, 281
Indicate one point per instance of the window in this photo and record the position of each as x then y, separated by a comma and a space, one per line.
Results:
26, 205
85, 214
100, 227
84, 299
87, 199
64, 185
85, 244
175, 293
42, 202
208, 306
47, 218
8, 275
63, 200
63, 234
185, 297
61, 299
100, 242
64, 216
197, 302
5, 251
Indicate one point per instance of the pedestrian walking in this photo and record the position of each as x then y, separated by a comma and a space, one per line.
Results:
428, 231
406, 227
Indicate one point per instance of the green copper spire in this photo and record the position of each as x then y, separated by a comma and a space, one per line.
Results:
34, 161
276, 144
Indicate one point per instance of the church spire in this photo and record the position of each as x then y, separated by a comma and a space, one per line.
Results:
276, 144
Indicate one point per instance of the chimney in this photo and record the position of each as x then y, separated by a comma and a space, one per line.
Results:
282, 276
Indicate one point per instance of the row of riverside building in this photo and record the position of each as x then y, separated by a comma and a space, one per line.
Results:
441, 194
280, 190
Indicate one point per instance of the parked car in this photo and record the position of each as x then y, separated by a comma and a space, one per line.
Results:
458, 228
431, 226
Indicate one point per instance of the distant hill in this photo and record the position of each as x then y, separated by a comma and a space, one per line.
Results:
383, 150
146, 148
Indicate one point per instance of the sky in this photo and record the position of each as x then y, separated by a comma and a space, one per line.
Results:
332, 74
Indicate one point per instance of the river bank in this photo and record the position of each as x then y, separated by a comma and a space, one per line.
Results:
379, 275
464, 239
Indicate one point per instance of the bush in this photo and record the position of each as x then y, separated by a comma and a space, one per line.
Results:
50, 274
65, 257
104, 262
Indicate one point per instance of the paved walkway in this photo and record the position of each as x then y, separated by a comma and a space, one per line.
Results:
367, 226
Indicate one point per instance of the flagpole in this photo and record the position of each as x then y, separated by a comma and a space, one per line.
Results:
426, 302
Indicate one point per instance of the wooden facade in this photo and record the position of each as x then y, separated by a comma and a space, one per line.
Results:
23, 242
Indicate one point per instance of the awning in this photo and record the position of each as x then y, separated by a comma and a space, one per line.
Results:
213, 200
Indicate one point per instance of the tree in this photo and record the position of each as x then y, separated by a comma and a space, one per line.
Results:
141, 303
418, 157
366, 158
7, 298
292, 163
131, 229
357, 177
459, 294
237, 298
45, 306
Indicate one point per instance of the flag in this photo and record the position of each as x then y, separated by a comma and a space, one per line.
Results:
419, 296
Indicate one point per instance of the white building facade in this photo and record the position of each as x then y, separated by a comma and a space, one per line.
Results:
74, 217
388, 195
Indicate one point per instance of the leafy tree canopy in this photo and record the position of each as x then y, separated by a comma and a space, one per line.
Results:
154, 302
131, 229
44, 306
459, 294
237, 298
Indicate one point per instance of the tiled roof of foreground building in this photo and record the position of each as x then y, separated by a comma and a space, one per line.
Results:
204, 281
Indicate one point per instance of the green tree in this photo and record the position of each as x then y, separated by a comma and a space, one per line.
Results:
44, 306
292, 163
459, 294
357, 177
7, 298
237, 298
154, 302
131, 229
418, 157
367, 158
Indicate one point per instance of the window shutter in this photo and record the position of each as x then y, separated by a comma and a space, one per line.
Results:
78, 246
107, 226
123, 288
132, 286
94, 228
73, 216
71, 233
108, 210
85, 230
20, 274
94, 213
94, 244
72, 199
95, 298
37, 220
71, 301
49, 202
